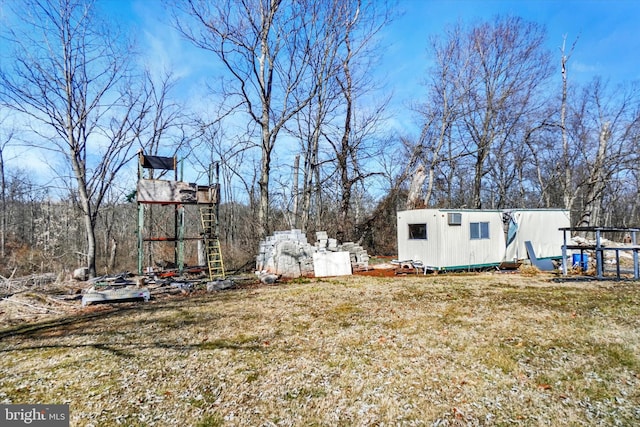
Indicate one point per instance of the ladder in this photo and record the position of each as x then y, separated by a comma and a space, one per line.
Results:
211, 243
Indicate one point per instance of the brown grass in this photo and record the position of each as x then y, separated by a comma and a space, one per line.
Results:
483, 349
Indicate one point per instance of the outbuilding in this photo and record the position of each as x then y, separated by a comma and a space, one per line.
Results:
446, 239
467, 239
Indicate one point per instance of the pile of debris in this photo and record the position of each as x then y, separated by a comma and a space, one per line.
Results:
625, 258
33, 297
289, 254
39, 296
118, 288
125, 287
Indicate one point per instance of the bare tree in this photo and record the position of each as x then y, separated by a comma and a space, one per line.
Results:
596, 182
440, 112
265, 47
567, 183
544, 172
605, 127
218, 143
6, 136
24, 200
71, 76
311, 120
356, 125
631, 182
481, 93
508, 64
167, 125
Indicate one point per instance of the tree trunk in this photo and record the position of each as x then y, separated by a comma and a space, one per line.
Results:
311, 175
430, 179
294, 190
263, 182
343, 160
306, 191
435, 159
91, 245
112, 255
596, 184
567, 187
413, 198
477, 179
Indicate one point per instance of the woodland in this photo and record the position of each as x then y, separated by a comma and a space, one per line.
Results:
299, 125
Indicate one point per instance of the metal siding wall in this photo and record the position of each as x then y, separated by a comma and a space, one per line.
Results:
541, 228
435, 245
451, 240
401, 233
462, 251
423, 250
409, 249
426, 250
450, 246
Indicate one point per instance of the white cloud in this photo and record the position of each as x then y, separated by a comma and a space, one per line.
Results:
583, 68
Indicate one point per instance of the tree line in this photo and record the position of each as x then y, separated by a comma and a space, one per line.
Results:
299, 123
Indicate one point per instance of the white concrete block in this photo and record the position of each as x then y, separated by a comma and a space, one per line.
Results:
331, 264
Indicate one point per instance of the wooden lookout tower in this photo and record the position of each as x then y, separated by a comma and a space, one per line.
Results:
177, 195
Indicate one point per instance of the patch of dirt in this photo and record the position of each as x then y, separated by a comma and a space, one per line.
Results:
377, 272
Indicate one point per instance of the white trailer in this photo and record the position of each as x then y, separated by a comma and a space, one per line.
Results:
466, 239
451, 239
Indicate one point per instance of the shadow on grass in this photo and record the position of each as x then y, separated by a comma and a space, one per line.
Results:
178, 315
120, 349
103, 311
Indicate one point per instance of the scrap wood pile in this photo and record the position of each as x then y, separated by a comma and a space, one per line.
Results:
127, 287
33, 297
40, 296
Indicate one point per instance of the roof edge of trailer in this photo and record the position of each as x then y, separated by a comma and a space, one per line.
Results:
488, 210
453, 210
536, 210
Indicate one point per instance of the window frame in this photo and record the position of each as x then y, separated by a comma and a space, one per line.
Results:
481, 229
418, 231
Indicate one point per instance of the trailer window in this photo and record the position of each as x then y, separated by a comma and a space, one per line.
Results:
418, 231
479, 230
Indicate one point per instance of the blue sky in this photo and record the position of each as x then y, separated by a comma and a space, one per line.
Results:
608, 43
608, 39
607, 33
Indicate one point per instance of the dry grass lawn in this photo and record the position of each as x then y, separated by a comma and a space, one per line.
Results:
484, 349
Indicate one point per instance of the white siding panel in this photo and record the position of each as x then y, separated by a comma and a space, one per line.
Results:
541, 228
462, 251
409, 249
447, 245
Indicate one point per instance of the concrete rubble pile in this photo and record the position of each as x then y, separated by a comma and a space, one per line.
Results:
289, 254
609, 256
